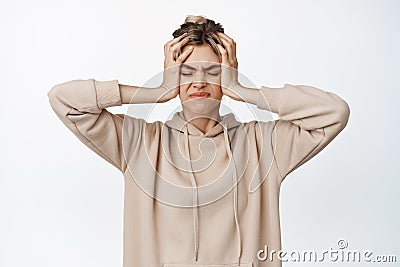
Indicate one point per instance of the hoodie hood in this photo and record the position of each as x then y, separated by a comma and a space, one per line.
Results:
223, 125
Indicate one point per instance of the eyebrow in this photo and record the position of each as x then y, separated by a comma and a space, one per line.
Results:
192, 68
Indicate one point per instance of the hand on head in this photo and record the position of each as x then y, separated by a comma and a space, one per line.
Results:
172, 65
229, 66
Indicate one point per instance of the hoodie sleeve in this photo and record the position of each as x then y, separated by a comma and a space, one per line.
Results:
81, 106
309, 119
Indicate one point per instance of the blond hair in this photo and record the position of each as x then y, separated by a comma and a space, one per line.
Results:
196, 19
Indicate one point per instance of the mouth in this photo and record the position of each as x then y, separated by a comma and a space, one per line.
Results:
199, 95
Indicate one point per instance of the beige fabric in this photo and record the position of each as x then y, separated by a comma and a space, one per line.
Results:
182, 213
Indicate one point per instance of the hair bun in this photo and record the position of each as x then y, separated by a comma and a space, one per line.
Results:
196, 19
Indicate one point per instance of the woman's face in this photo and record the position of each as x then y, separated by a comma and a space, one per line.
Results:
200, 80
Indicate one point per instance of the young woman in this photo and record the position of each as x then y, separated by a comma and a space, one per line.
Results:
201, 189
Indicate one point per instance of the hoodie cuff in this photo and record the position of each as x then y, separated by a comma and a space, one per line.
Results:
108, 93
271, 99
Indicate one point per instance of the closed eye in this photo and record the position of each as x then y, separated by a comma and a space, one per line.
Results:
188, 74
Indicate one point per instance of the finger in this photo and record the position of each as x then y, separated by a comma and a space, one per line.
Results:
175, 40
229, 39
182, 57
223, 36
179, 44
231, 49
224, 54
228, 47
174, 48
168, 45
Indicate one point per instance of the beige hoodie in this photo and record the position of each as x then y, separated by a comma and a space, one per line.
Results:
221, 207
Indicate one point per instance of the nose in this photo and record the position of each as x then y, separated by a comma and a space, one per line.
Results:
199, 80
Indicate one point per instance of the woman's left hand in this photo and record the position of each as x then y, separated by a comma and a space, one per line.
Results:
229, 67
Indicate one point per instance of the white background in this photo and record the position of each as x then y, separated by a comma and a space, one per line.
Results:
61, 204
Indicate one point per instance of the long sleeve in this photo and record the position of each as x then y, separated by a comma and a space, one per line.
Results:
81, 106
309, 119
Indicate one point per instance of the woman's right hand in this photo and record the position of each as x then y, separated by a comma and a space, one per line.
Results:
171, 74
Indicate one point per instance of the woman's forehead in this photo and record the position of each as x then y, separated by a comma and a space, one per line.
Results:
202, 54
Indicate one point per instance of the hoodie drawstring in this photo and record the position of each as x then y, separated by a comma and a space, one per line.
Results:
196, 197
235, 192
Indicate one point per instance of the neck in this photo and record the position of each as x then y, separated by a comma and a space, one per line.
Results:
204, 122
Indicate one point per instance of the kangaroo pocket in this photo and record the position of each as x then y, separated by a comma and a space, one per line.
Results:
207, 265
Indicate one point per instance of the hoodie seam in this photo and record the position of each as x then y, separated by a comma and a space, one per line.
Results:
274, 155
96, 93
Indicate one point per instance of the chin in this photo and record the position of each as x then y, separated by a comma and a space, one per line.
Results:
201, 106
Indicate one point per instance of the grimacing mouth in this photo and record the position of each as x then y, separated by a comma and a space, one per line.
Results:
199, 95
